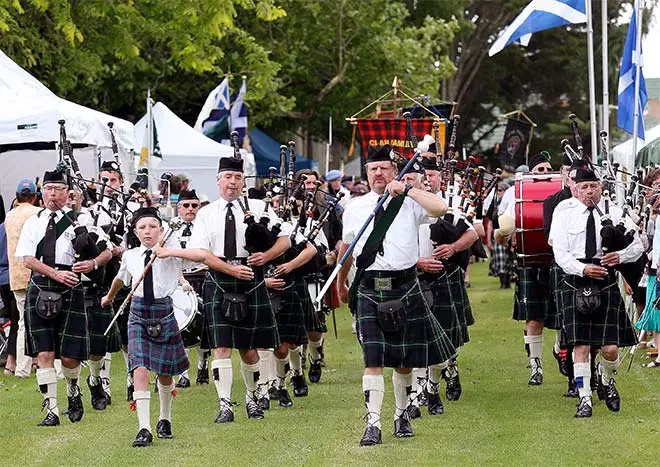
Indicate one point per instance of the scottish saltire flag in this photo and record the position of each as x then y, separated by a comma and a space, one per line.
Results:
215, 108
626, 113
540, 15
239, 114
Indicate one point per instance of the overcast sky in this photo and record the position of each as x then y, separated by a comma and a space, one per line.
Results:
649, 47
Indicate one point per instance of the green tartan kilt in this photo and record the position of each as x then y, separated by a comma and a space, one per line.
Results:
291, 316
533, 299
98, 320
258, 330
66, 335
608, 326
122, 321
438, 297
314, 321
456, 279
420, 343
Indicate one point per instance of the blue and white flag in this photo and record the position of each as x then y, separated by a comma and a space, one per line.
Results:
239, 114
540, 15
626, 112
215, 108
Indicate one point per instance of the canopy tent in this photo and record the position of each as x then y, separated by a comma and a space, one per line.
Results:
29, 130
267, 153
647, 151
185, 150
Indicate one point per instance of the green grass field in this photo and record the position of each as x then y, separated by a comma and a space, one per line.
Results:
499, 420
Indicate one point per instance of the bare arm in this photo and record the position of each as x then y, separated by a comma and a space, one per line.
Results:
435, 206
303, 258
68, 278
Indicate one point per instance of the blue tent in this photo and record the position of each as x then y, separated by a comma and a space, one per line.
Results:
266, 152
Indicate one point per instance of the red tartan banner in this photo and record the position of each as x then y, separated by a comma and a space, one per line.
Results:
380, 131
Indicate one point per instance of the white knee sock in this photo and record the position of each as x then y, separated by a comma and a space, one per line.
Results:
264, 371
72, 375
47, 381
58, 368
294, 358
609, 369
535, 346
222, 377
201, 359
282, 369
435, 374
94, 371
419, 374
374, 390
105, 372
402, 384
313, 347
142, 399
583, 378
250, 374
165, 395
557, 345
185, 372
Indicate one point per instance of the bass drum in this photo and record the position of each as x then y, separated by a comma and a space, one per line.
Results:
531, 242
185, 306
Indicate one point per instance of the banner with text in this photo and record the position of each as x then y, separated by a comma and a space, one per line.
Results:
380, 131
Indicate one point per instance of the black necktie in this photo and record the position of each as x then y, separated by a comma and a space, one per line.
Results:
379, 214
187, 232
590, 244
148, 283
49, 241
230, 234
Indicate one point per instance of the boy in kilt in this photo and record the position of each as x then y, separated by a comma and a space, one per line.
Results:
237, 306
55, 307
154, 340
395, 325
593, 309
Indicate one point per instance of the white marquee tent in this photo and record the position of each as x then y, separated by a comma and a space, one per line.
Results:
187, 151
29, 118
623, 151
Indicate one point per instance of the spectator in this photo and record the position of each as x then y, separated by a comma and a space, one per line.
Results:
9, 302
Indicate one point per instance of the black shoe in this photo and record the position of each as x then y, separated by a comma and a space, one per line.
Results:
273, 393
300, 388
226, 414
413, 412
563, 364
536, 379
423, 402
572, 389
75, 410
371, 436
434, 403
50, 420
202, 376
284, 398
315, 370
99, 397
143, 439
164, 429
183, 382
454, 388
612, 398
402, 427
253, 410
105, 384
264, 403
129, 393
584, 408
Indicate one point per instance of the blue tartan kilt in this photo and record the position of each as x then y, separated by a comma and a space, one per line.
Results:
607, 326
420, 343
257, 331
533, 299
291, 316
165, 354
66, 335
98, 320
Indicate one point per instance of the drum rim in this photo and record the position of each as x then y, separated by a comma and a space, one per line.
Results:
193, 298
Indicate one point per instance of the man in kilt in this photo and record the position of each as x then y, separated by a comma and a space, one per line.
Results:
187, 206
593, 309
154, 340
532, 300
55, 306
502, 260
395, 325
236, 302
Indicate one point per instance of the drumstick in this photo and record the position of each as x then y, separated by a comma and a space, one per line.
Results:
174, 224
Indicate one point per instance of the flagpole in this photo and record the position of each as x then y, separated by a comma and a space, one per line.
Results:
638, 70
592, 80
606, 81
327, 146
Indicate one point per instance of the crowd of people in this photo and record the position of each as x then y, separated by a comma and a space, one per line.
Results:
255, 264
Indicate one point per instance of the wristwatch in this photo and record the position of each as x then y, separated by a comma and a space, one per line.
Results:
408, 188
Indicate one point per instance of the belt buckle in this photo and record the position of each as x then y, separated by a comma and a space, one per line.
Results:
235, 262
382, 284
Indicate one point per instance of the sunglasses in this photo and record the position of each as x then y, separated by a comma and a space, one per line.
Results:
190, 205
543, 169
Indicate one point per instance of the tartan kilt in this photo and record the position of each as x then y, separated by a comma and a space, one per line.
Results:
533, 299
456, 278
420, 343
98, 320
291, 316
165, 354
314, 321
609, 326
122, 321
258, 330
502, 260
66, 335
443, 308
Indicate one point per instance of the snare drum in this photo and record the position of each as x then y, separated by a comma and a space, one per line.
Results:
531, 242
185, 306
